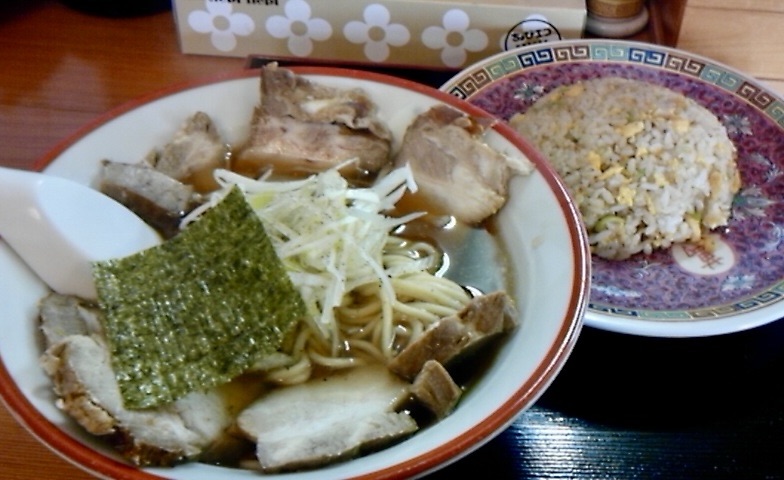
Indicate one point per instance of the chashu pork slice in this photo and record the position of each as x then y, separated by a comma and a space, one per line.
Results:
302, 127
456, 172
155, 197
435, 389
84, 382
65, 315
169, 181
78, 362
193, 153
327, 420
449, 339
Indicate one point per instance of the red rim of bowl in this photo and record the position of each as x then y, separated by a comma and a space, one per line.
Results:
99, 464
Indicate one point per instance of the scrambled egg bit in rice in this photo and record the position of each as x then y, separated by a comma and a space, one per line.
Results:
647, 166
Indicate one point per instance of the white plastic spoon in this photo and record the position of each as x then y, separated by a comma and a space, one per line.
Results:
58, 227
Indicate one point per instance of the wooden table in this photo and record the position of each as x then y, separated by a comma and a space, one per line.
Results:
745, 34
694, 408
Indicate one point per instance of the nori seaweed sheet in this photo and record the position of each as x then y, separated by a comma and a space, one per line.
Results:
197, 310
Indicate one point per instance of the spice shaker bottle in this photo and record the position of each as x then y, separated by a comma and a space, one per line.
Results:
616, 18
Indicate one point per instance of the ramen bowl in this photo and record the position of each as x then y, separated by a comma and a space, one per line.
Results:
539, 229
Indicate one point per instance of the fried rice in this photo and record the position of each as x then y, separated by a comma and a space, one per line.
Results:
647, 166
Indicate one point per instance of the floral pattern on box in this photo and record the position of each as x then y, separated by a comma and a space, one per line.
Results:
402, 32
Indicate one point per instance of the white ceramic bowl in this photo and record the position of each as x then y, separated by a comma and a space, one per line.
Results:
540, 227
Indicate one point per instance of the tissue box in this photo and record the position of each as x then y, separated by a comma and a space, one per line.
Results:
438, 34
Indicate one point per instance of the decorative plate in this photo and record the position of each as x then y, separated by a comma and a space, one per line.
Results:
684, 291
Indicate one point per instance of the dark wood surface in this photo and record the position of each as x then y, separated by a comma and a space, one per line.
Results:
624, 407
646, 408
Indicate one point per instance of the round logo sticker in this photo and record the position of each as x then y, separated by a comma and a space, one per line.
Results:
534, 29
717, 259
